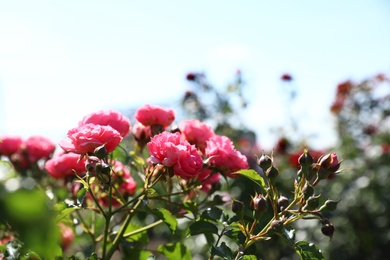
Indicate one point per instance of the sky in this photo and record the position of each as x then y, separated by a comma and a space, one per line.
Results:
60, 60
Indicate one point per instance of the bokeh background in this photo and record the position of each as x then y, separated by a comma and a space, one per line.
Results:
62, 60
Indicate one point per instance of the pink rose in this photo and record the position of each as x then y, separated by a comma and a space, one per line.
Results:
127, 184
128, 187
196, 132
163, 148
110, 117
86, 138
39, 147
65, 165
141, 132
224, 156
189, 162
9, 144
155, 115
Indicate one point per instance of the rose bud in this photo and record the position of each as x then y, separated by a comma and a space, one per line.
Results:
283, 202
259, 203
264, 162
329, 205
312, 203
327, 228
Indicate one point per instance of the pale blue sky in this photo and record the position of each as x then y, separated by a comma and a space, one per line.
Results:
60, 60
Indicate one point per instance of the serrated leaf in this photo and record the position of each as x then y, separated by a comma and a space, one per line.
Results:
222, 251
175, 251
201, 227
141, 237
254, 176
308, 251
167, 217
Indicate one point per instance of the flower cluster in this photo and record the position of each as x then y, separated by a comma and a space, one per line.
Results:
22, 153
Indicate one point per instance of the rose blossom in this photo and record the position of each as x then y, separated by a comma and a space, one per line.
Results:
224, 156
85, 139
9, 144
110, 117
155, 115
196, 132
127, 184
66, 235
170, 150
39, 147
163, 148
189, 162
64, 165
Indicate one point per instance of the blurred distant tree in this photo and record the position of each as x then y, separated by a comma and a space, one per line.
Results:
362, 111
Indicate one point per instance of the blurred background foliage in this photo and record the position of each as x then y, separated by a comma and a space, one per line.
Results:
361, 113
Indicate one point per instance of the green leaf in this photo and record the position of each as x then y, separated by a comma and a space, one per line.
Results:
81, 195
167, 217
254, 176
235, 234
141, 237
308, 251
175, 251
222, 251
289, 234
201, 227
93, 257
65, 213
213, 214
133, 253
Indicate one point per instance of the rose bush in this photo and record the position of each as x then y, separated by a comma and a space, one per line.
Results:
95, 199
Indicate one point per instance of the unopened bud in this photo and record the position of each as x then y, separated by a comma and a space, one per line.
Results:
238, 208
283, 203
272, 173
327, 228
259, 203
329, 205
264, 162
103, 168
100, 152
277, 225
90, 164
312, 203
305, 159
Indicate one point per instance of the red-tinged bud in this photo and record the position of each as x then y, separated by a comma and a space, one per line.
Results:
192, 76
327, 228
283, 203
259, 203
90, 164
277, 225
286, 77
